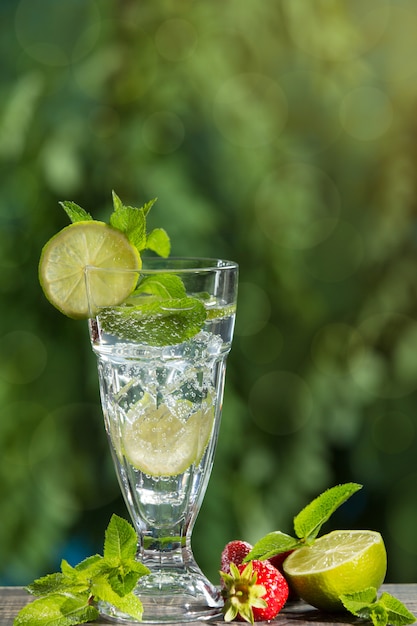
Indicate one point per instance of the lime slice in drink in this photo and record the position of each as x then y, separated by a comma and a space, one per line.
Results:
161, 443
344, 561
65, 257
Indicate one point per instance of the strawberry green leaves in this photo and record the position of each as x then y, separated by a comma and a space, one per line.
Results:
307, 524
385, 610
70, 597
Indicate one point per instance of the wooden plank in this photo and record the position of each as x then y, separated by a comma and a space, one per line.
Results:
12, 599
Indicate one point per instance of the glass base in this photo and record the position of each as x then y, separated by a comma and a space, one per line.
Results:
172, 598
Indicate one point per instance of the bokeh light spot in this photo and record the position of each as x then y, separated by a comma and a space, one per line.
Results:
330, 34
397, 49
393, 432
104, 121
163, 132
67, 32
381, 364
23, 357
254, 309
402, 513
297, 206
331, 347
262, 347
312, 133
86, 481
250, 110
280, 402
176, 39
338, 257
366, 113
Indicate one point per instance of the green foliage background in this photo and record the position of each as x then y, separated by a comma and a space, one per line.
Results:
279, 134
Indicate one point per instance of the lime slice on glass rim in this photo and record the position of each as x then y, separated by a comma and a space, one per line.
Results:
343, 561
159, 442
65, 257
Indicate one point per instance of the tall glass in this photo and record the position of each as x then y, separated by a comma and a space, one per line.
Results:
161, 396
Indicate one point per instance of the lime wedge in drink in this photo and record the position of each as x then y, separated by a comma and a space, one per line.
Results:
159, 442
343, 561
87, 243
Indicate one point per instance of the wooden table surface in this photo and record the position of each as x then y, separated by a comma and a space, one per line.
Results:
294, 614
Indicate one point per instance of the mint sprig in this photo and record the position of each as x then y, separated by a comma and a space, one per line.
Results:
307, 524
71, 596
132, 222
159, 312
385, 610
129, 220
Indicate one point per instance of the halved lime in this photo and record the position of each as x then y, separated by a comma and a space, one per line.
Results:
159, 442
65, 257
343, 561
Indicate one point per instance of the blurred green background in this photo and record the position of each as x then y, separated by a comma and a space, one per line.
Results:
279, 134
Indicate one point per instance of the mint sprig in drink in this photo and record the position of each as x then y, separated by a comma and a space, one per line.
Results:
161, 329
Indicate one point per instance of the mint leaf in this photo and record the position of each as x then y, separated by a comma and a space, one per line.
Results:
117, 203
120, 539
123, 578
120, 546
147, 207
159, 242
359, 603
155, 322
129, 604
75, 212
386, 610
132, 223
308, 523
378, 615
57, 610
272, 544
398, 614
86, 568
52, 583
161, 285
70, 597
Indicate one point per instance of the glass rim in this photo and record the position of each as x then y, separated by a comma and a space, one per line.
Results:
172, 264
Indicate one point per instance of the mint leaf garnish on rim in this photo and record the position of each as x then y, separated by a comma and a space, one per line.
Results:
158, 241
385, 610
132, 222
71, 596
75, 212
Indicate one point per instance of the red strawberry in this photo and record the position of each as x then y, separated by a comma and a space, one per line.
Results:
277, 562
234, 552
254, 592
278, 559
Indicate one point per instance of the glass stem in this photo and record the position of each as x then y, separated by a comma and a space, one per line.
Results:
165, 549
